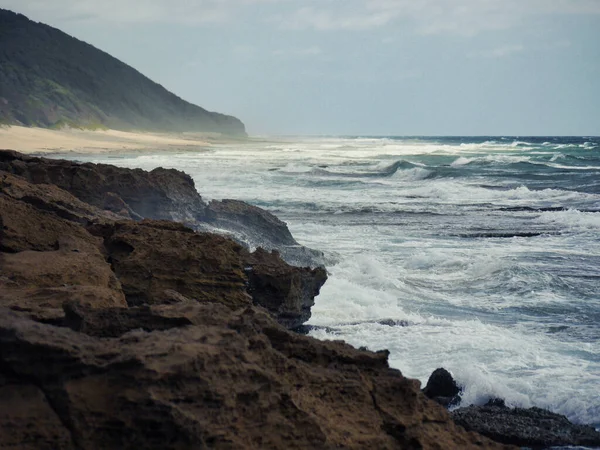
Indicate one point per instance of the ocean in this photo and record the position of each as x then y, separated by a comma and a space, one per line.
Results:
481, 254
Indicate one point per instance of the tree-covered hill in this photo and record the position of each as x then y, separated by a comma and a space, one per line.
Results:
50, 79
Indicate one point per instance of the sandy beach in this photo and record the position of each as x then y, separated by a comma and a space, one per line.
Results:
41, 140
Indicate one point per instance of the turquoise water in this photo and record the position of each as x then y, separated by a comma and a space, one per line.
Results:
487, 247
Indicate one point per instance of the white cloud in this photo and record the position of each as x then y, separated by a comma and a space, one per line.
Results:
462, 17
133, 11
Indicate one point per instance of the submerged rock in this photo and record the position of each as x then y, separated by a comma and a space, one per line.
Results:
533, 427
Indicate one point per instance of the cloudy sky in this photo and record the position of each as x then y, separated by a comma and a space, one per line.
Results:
377, 67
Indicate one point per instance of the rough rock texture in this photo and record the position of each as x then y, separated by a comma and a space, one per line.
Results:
162, 194
533, 427
216, 379
442, 388
145, 334
45, 259
150, 257
295, 288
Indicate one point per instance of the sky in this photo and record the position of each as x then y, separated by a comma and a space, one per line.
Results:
359, 67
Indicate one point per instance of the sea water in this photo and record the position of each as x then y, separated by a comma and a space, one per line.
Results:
485, 251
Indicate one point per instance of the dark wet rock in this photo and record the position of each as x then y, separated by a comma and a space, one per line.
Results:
496, 402
533, 427
249, 220
507, 234
442, 388
255, 227
393, 323
230, 379
287, 292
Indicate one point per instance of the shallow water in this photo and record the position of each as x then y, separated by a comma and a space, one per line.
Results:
489, 248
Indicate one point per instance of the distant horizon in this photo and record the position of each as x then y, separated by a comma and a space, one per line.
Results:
358, 135
309, 68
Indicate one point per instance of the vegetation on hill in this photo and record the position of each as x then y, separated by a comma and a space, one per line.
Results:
50, 79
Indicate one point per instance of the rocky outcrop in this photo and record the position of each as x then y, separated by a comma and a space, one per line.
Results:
255, 227
47, 259
442, 388
116, 333
162, 194
296, 287
534, 427
204, 376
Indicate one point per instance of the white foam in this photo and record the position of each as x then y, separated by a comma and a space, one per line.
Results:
458, 295
461, 161
414, 174
571, 219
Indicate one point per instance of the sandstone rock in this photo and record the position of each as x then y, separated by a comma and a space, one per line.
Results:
533, 427
28, 422
25, 227
49, 198
48, 260
161, 194
239, 380
164, 194
150, 257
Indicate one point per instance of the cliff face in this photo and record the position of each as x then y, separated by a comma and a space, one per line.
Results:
48, 78
121, 333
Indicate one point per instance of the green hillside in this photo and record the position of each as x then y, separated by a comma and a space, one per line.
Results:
50, 79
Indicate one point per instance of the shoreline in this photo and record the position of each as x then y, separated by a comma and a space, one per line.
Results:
45, 141
100, 223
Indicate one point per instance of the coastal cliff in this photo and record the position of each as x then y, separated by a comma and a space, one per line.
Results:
122, 327
50, 79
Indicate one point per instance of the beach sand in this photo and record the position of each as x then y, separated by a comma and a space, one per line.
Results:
41, 140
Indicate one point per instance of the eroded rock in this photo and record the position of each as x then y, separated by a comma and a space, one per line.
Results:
287, 292
239, 380
533, 427
163, 194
